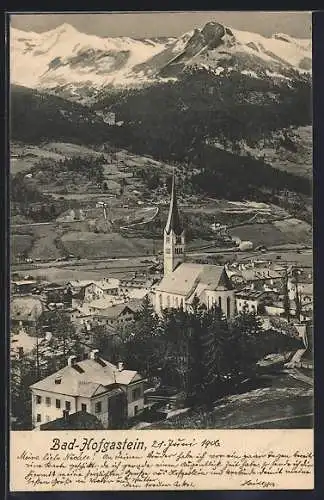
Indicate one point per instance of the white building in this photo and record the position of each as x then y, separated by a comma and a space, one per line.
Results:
183, 281
93, 385
251, 300
87, 291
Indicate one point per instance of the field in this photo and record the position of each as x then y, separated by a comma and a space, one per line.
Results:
62, 272
277, 233
25, 157
132, 223
20, 244
88, 244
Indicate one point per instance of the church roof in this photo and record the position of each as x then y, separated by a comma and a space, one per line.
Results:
189, 278
173, 221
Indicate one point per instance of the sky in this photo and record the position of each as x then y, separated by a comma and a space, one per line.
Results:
150, 24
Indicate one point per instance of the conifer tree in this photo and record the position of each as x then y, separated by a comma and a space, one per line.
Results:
286, 301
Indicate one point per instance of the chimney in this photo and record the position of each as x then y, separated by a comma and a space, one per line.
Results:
94, 354
120, 366
71, 360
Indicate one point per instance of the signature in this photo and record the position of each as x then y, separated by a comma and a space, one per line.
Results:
258, 483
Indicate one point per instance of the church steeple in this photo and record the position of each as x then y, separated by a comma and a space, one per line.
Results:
173, 222
174, 241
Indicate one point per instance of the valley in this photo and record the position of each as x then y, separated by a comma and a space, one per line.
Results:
91, 172
161, 229
125, 218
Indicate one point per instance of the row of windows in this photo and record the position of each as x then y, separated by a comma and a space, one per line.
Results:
242, 303
177, 302
48, 402
178, 250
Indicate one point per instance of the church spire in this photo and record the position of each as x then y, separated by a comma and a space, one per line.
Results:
173, 222
174, 238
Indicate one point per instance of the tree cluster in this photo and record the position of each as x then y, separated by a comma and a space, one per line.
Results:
196, 351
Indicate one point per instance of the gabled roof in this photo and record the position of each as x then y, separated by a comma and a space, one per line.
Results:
188, 278
251, 294
26, 308
113, 312
173, 221
80, 283
87, 378
78, 420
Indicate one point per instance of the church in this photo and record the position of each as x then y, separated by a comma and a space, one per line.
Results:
183, 281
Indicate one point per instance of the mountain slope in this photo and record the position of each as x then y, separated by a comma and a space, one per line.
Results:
77, 65
36, 116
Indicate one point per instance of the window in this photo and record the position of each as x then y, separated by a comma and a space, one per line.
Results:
220, 302
83, 407
135, 410
47, 419
168, 301
98, 407
38, 400
67, 405
38, 417
228, 306
48, 401
167, 239
58, 403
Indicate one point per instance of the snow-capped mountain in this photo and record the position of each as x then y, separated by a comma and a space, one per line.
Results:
74, 64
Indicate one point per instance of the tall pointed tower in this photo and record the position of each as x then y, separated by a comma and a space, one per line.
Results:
174, 238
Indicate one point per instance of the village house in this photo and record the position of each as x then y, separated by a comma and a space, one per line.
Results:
25, 312
100, 304
258, 279
88, 291
118, 314
185, 281
110, 393
22, 344
303, 283
136, 287
23, 287
54, 293
253, 301
277, 308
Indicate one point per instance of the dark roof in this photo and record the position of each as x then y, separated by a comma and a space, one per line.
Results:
173, 222
250, 294
74, 421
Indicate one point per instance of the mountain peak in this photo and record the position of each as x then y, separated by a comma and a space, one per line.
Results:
64, 28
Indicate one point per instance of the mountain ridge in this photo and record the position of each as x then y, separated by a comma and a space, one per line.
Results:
66, 61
